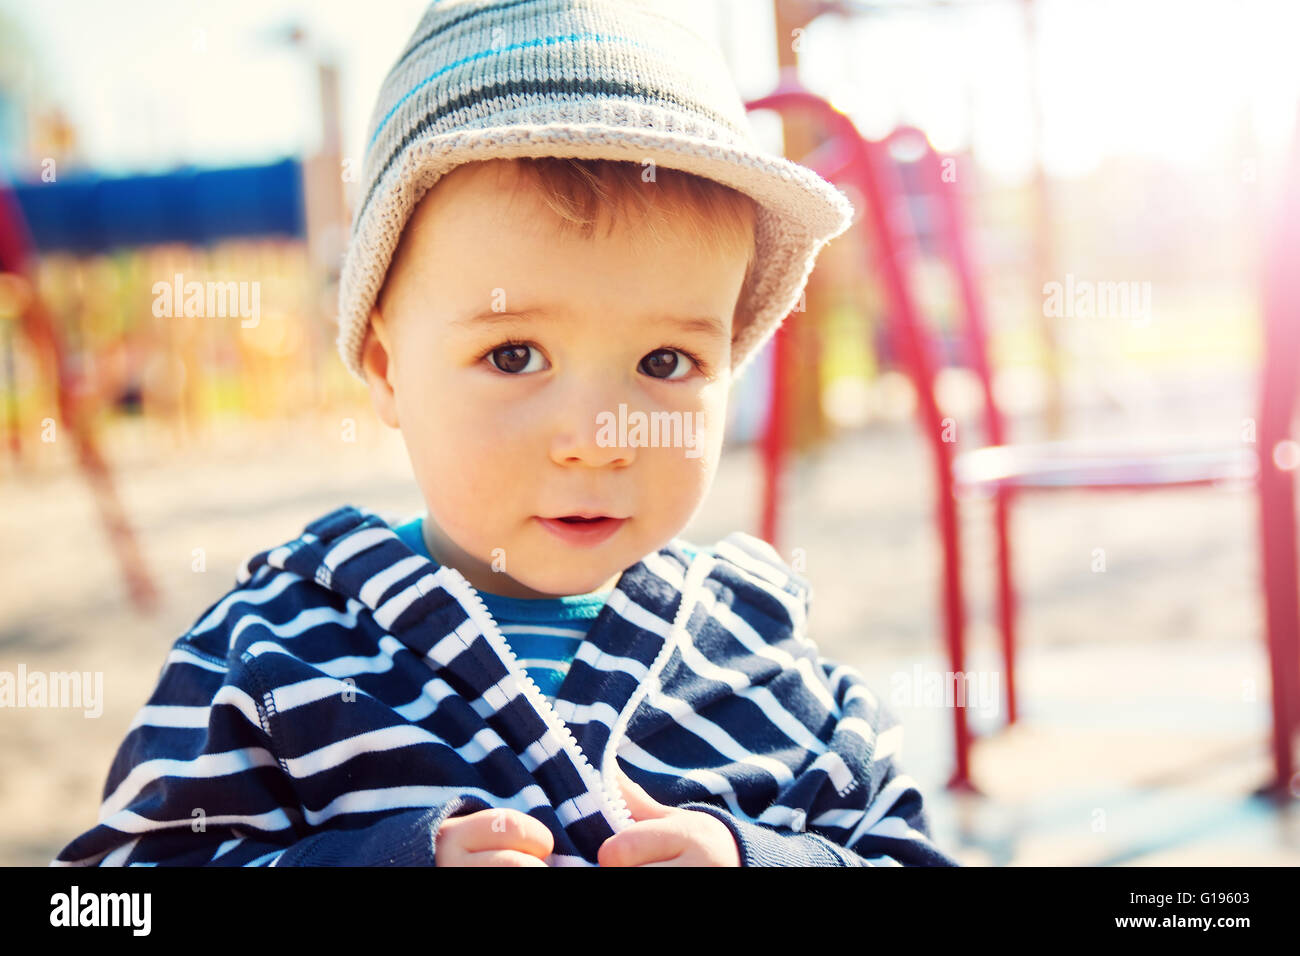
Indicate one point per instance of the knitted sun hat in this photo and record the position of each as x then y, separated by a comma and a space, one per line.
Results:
585, 79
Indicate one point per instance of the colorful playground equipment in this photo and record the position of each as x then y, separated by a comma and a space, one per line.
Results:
1001, 470
87, 216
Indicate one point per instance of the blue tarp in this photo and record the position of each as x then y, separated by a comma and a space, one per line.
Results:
88, 214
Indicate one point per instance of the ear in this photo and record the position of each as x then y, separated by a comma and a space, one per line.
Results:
378, 367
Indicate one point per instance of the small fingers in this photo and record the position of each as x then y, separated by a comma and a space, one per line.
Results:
507, 829
647, 841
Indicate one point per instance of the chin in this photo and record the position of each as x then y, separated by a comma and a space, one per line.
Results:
580, 581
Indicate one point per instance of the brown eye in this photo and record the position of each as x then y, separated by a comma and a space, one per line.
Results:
514, 358
665, 364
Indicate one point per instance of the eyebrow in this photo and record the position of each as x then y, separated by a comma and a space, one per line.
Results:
705, 324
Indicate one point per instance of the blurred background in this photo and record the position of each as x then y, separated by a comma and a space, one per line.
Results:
1070, 273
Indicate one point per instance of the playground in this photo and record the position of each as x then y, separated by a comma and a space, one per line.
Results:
1031, 438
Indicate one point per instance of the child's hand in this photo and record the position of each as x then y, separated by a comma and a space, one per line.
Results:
667, 836
498, 836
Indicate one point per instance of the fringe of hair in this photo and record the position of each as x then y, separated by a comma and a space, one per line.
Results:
581, 192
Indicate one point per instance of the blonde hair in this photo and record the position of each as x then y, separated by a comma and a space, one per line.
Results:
582, 192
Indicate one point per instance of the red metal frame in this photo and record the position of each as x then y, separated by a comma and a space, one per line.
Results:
849, 158
1277, 504
975, 330
1275, 487
865, 165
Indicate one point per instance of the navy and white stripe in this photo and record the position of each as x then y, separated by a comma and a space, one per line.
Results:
544, 633
344, 699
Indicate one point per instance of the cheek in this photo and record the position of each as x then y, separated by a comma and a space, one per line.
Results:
712, 417
466, 452
688, 472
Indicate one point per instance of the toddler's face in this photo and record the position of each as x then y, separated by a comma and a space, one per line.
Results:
500, 348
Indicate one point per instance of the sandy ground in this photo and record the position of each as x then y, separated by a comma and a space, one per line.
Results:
1144, 687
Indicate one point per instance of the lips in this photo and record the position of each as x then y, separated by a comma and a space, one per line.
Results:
583, 529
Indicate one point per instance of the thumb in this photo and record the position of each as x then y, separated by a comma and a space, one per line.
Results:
640, 804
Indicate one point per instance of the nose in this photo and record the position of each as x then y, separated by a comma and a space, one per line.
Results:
591, 431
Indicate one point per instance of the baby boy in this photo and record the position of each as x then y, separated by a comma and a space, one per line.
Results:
563, 223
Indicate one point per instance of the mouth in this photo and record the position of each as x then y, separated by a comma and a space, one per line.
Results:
583, 528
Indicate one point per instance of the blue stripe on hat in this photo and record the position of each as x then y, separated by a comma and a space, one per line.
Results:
550, 41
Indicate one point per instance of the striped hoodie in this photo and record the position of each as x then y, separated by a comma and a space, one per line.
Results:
347, 696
